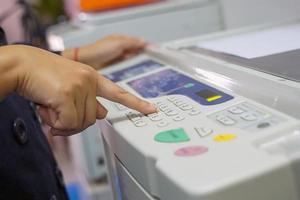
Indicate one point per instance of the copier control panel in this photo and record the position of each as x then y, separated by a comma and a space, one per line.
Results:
203, 143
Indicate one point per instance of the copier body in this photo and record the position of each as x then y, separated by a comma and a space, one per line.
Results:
222, 132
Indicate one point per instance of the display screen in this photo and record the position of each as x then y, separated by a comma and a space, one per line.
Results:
209, 95
169, 81
133, 71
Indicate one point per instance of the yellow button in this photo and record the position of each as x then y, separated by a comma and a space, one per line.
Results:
224, 137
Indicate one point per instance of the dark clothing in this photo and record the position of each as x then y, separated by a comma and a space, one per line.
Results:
28, 170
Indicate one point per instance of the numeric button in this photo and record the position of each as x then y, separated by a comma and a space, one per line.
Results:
162, 123
185, 107
225, 120
248, 117
155, 117
236, 110
133, 116
163, 107
140, 123
179, 102
194, 112
173, 98
170, 112
178, 118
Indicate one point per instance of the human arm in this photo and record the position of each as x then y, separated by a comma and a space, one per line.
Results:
106, 51
65, 90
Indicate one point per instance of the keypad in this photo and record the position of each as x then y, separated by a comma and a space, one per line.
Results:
174, 109
243, 115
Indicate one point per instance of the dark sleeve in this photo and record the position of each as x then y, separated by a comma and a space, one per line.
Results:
2, 37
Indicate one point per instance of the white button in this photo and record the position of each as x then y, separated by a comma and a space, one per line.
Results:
155, 117
170, 112
236, 110
159, 103
225, 120
249, 117
133, 116
186, 107
179, 102
163, 107
172, 99
120, 106
178, 118
203, 131
140, 123
194, 112
162, 124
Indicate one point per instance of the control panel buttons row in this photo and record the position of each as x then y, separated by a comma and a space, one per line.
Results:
242, 115
183, 105
179, 135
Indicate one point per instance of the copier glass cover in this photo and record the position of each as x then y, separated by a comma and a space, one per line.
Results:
220, 133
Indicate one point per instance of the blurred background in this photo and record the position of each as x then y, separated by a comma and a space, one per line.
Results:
60, 24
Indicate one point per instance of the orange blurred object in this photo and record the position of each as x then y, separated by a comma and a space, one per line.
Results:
98, 5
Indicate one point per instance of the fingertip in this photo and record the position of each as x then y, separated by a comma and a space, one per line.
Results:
148, 108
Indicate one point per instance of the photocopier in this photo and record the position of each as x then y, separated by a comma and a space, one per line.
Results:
227, 127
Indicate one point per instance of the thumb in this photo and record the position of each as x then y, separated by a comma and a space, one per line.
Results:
101, 111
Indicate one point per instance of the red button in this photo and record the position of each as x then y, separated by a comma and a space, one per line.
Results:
191, 151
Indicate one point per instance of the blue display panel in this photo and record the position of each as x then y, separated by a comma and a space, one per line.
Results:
133, 71
167, 82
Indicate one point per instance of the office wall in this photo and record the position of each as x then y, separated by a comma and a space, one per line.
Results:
238, 13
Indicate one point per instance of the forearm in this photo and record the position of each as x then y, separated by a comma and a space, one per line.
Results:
9, 70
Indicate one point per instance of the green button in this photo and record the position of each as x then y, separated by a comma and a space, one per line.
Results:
189, 85
172, 136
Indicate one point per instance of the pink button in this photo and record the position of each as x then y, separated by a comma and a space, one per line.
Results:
191, 151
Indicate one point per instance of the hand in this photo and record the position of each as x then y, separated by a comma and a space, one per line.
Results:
66, 90
108, 50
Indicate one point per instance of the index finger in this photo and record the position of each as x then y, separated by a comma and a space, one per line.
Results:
109, 90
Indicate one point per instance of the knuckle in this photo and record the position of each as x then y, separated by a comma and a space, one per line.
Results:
66, 90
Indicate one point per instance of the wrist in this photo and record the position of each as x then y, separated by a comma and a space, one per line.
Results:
9, 69
69, 53
83, 54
